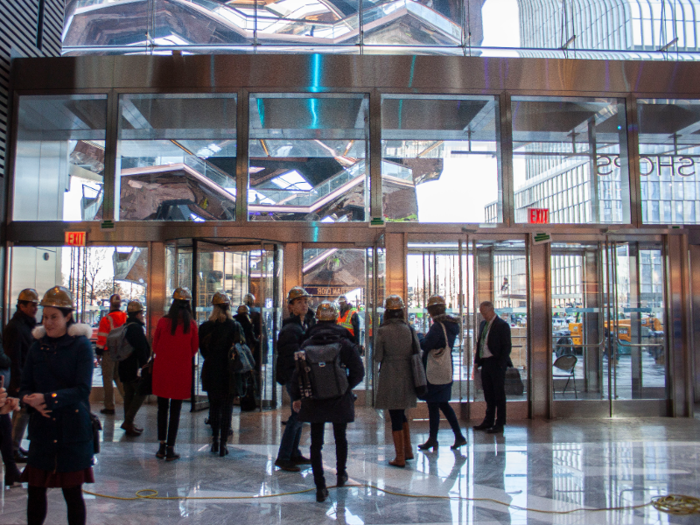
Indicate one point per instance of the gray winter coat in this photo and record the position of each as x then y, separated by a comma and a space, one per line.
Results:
395, 344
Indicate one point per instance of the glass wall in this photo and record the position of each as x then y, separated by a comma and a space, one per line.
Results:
625, 29
177, 157
440, 159
307, 158
570, 158
59, 158
669, 152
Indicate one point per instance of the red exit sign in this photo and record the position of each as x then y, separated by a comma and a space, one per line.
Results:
75, 238
538, 216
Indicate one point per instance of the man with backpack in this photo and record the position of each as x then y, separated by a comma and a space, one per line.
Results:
329, 366
114, 319
133, 357
292, 334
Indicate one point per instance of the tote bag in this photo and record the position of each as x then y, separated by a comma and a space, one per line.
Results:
439, 368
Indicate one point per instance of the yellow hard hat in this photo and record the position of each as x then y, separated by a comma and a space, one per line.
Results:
134, 307
295, 293
243, 309
182, 294
58, 297
220, 298
249, 298
326, 311
394, 302
29, 295
436, 300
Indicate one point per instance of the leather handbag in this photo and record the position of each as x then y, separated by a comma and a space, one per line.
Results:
420, 382
96, 428
439, 367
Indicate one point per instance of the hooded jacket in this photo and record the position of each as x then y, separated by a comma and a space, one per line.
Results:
61, 369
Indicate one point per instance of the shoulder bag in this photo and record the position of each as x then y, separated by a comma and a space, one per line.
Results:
420, 382
439, 367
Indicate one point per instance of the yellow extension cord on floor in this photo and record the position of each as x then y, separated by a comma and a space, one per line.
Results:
676, 504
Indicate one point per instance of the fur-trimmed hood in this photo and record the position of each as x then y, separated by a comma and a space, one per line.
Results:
445, 318
74, 330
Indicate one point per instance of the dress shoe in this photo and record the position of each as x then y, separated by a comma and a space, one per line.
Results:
321, 495
223, 450
459, 442
483, 426
498, 429
214, 446
130, 430
107, 411
301, 460
342, 479
289, 466
161, 451
19, 457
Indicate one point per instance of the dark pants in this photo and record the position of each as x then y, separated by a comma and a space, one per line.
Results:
398, 418
493, 380
341, 450
36, 505
6, 442
220, 412
289, 446
434, 416
132, 401
19, 425
172, 406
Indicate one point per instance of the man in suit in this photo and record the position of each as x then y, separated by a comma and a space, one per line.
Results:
493, 357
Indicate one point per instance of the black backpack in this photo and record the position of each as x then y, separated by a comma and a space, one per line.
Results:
321, 376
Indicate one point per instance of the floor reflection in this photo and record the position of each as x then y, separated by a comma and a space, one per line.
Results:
546, 465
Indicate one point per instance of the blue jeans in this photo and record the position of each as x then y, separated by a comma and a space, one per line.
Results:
289, 447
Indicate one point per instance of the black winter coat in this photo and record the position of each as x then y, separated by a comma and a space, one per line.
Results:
61, 369
136, 337
498, 341
16, 339
250, 338
434, 340
342, 409
290, 338
215, 342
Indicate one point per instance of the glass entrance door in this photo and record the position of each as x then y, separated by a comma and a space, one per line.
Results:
466, 272
608, 335
237, 268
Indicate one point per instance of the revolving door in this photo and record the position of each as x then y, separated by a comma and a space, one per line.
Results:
236, 267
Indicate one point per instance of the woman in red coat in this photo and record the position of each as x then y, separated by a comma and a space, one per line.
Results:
175, 343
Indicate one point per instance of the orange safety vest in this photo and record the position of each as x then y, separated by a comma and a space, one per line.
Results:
108, 323
346, 320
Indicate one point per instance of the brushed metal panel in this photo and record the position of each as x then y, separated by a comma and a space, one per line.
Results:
694, 251
539, 330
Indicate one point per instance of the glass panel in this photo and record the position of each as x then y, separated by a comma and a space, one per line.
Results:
440, 159
177, 157
331, 272
59, 158
92, 274
570, 143
638, 335
669, 149
307, 158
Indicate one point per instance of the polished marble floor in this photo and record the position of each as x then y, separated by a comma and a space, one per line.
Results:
548, 465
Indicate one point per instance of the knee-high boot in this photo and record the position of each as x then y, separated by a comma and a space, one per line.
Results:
400, 460
407, 448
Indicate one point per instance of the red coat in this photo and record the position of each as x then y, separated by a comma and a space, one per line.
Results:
172, 366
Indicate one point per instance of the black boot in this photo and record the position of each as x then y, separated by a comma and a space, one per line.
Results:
223, 450
321, 494
431, 443
215, 445
161, 451
170, 454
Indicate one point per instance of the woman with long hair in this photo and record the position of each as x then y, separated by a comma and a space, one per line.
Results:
396, 343
55, 386
175, 343
437, 346
216, 337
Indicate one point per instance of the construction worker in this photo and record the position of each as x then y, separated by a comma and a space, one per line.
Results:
349, 318
114, 319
